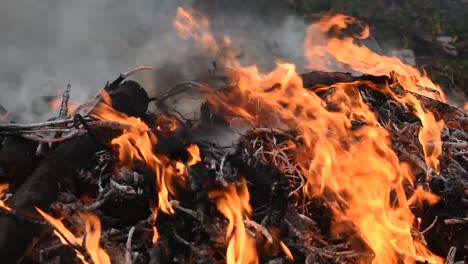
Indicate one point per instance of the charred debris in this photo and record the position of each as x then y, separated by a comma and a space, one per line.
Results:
67, 165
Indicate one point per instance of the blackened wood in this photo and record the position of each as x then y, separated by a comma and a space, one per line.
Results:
17, 159
310, 79
60, 168
40, 190
130, 98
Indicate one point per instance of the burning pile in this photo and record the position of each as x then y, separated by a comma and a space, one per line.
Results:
326, 167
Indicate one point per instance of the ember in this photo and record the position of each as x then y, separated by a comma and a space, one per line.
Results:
332, 167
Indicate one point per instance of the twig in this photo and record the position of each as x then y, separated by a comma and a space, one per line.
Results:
176, 205
451, 255
21, 217
122, 188
273, 130
320, 251
9, 127
430, 226
49, 140
176, 89
100, 200
64, 106
307, 220
456, 221
131, 72
416, 160
259, 228
128, 253
220, 173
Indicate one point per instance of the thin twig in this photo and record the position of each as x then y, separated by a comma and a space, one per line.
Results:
456, 221
133, 71
259, 228
23, 218
451, 255
8, 127
64, 106
430, 226
48, 140
128, 253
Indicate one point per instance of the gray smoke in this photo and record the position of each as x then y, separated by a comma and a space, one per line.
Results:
45, 45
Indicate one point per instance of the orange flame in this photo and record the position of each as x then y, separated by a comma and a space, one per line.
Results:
233, 203
286, 251
189, 27
194, 152
358, 165
154, 216
93, 235
191, 24
3, 190
136, 144
324, 54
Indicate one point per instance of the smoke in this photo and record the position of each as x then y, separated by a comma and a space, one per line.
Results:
47, 44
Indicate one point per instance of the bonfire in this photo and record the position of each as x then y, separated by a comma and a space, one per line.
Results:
278, 167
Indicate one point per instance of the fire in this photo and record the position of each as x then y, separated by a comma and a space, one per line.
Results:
324, 54
93, 235
192, 24
194, 153
233, 203
136, 144
3, 189
358, 165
